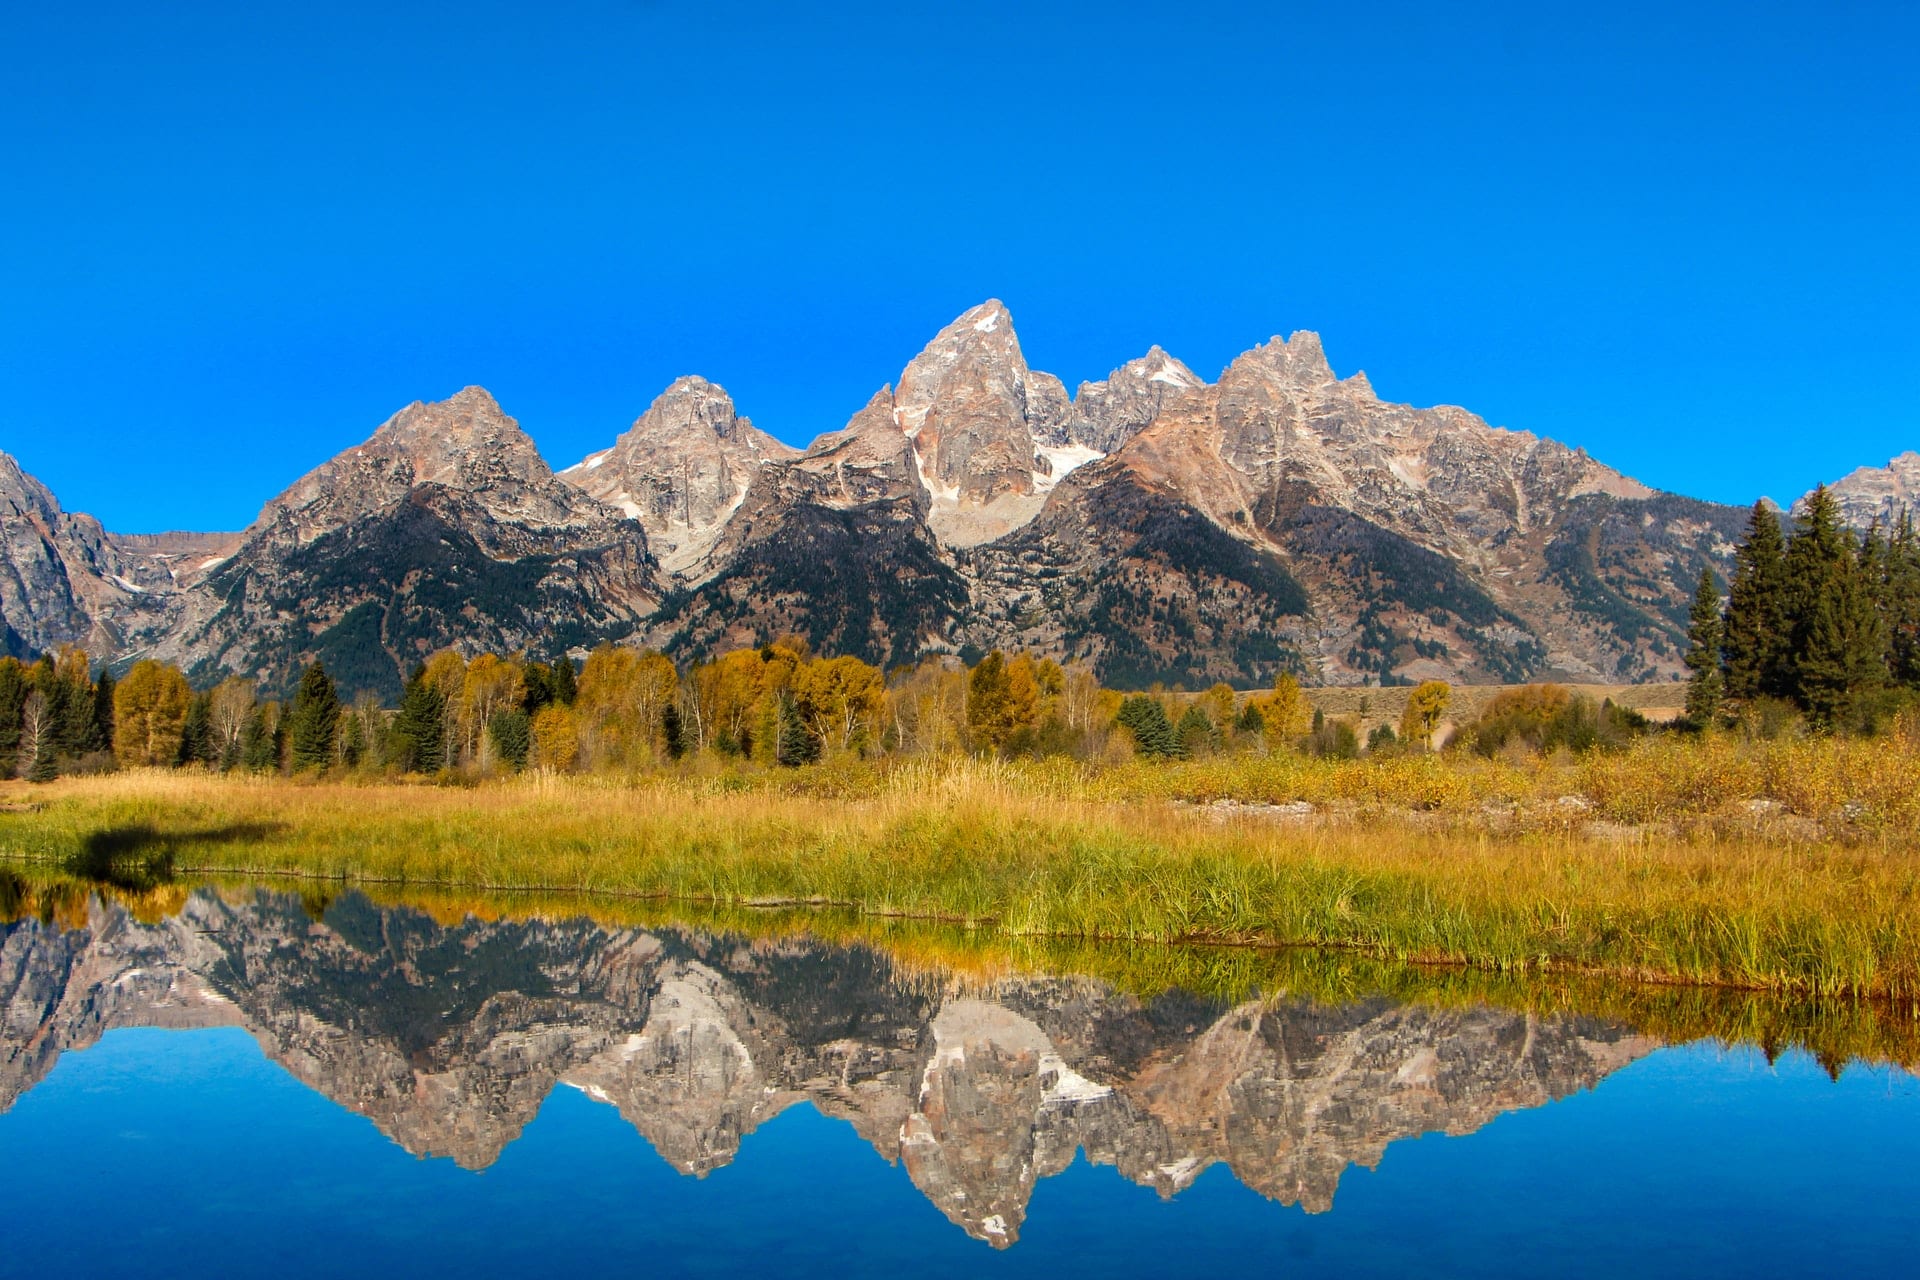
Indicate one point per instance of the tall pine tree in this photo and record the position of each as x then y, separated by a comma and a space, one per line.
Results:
313, 725
1836, 641
14, 688
1900, 603
418, 741
1706, 687
1754, 638
103, 709
197, 745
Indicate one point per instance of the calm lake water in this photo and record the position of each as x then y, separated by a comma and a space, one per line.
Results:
250, 1085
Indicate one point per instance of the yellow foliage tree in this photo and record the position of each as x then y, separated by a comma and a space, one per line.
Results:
232, 705
1285, 711
489, 686
1425, 707
556, 742
446, 671
726, 695
841, 700
929, 706
149, 714
623, 696
1217, 702
1023, 693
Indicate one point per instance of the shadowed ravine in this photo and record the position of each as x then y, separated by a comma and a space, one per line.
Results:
449, 1038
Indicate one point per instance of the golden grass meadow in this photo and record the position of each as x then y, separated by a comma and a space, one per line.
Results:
1789, 867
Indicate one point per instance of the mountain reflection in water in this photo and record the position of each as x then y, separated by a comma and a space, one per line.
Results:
449, 1038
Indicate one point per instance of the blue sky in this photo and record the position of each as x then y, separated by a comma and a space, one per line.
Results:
234, 238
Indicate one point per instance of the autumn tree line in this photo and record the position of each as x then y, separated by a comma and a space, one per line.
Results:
1818, 627
625, 709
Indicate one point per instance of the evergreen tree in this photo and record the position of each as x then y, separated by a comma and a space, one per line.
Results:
673, 732
1251, 723
1193, 736
418, 742
60, 713
566, 685
1837, 645
793, 745
13, 700
1754, 637
79, 732
259, 748
537, 681
45, 766
197, 745
313, 725
1706, 686
1900, 603
512, 735
103, 710
1152, 732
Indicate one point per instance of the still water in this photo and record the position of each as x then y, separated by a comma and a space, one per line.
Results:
246, 1084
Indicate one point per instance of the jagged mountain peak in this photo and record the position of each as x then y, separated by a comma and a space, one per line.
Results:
21, 486
1869, 495
681, 469
1158, 366
990, 316
976, 414
1108, 413
1299, 359
60, 575
466, 441
979, 346
694, 400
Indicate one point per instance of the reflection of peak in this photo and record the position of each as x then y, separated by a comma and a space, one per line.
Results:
450, 1038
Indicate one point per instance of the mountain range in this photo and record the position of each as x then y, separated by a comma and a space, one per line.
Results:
1153, 524
449, 1037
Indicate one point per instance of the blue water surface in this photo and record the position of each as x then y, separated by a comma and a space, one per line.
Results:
189, 1153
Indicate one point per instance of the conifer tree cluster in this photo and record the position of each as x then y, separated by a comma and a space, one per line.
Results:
1823, 621
55, 716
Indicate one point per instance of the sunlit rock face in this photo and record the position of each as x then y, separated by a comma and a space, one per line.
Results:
681, 470
449, 1038
1881, 496
66, 580
445, 527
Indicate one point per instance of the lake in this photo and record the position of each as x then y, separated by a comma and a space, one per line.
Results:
256, 1082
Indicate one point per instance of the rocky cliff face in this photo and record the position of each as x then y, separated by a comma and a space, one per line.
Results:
449, 1039
681, 470
62, 578
1157, 525
975, 413
1877, 495
836, 545
444, 528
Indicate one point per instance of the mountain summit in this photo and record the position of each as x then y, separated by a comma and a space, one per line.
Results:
1155, 524
682, 469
